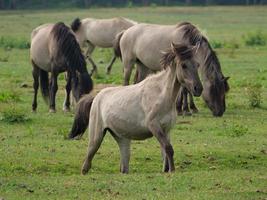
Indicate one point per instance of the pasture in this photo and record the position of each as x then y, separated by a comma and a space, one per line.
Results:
215, 158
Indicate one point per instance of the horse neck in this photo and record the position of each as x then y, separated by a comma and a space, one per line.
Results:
209, 72
170, 84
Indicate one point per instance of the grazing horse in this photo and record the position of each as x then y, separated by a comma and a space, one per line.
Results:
143, 43
55, 49
139, 111
100, 33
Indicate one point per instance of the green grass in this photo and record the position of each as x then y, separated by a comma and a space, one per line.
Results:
215, 158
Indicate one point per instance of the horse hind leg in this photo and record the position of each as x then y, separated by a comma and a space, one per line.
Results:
35, 75
128, 67
179, 102
141, 72
186, 110
124, 145
110, 64
192, 104
88, 54
96, 137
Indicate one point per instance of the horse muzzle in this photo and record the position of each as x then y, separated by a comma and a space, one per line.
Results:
197, 90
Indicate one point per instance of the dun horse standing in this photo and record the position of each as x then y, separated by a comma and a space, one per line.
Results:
100, 33
143, 43
55, 49
139, 111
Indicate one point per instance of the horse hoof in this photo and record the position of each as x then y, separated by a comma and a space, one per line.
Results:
84, 171
194, 110
180, 113
34, 111
187, 113
52, 110
66, 109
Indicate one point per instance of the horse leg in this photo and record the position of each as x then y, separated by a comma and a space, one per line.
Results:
165, 144
88, 54
124, 145
35, 75
141, 72
165, 160
128, 67
179, 102
110, 64
186, 110
53, 91
96, 137
66, 105
192, 104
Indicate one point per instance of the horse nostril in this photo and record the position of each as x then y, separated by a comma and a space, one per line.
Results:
197, 90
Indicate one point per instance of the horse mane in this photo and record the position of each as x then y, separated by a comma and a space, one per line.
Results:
195, 37
129, 20
177, 50
68, 47
75, 25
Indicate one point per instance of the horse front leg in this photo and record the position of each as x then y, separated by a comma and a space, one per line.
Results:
165, 160
124, 145
192, 104
53, 91
35, 75
110, 64
179, 102
66, 105
186, 110
165, 144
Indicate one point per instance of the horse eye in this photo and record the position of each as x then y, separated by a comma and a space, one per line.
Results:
197, 65
184, 66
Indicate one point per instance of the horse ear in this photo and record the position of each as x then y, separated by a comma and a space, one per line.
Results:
226, 78
226, 85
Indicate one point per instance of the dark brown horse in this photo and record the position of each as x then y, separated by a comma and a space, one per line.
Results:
55, 49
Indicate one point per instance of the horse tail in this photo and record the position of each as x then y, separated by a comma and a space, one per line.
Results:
116, 44
69, 48
76, 24
44, 84
81, 119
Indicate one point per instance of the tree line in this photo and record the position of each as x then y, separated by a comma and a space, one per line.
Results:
28, 4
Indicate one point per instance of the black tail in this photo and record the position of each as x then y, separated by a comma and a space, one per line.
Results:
81, 119
75, 25
116, 44
44, 85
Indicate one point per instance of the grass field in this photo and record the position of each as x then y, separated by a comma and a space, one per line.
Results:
215, 158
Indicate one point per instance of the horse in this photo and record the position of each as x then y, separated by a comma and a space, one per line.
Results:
139, 111
54, 49
100, 33
143, 43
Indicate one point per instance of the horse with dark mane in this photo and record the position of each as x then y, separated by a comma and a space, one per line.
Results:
143, 45
54, 49
140, 111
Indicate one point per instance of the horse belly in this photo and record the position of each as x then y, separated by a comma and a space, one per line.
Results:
101, 37
130, 130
